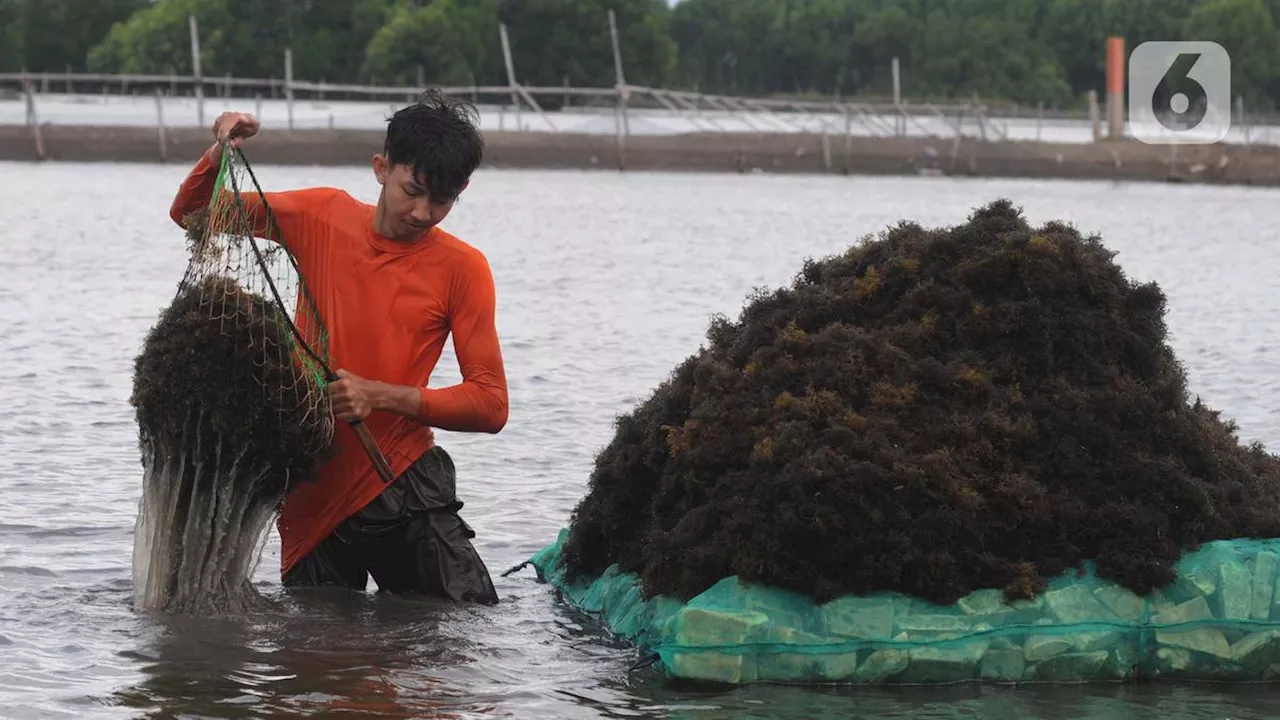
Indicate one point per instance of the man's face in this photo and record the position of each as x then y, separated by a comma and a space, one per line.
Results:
409, 207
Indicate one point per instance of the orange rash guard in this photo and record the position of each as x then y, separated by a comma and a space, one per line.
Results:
388, 307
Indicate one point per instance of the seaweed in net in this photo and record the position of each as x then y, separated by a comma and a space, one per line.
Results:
232, 407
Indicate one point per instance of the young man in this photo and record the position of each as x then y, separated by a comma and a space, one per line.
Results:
390, 286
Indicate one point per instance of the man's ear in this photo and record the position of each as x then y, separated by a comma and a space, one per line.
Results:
380, 168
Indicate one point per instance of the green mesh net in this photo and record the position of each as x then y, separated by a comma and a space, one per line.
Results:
238, 250
238, 240
1220, 620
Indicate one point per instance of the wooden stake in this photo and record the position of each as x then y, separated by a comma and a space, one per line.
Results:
160, 129
621, 123
195, 66
826, 147
511, 71
1094, 118
33, 119
288, 82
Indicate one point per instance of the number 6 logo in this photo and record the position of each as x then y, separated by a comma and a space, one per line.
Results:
1180, 92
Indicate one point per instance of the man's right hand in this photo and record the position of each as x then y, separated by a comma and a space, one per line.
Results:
235, 126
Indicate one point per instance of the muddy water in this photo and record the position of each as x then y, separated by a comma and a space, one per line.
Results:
605, 283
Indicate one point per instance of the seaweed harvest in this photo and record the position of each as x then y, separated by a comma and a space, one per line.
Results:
932, 412
229, 420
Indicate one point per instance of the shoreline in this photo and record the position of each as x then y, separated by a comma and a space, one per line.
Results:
697, 152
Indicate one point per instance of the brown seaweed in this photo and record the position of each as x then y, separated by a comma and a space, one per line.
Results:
934, 411
228, 420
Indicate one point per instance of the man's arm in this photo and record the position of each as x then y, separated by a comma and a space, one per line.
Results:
197, 188
289, 208
479, 402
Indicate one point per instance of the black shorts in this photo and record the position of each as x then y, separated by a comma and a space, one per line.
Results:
410, 539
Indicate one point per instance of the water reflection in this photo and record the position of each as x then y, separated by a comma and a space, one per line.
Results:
317, 651
326, 652
1157, 701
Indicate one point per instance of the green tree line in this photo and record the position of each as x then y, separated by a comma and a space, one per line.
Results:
1026, 51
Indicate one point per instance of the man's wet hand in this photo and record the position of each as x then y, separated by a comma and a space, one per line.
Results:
232, 126
235, 126
351, 397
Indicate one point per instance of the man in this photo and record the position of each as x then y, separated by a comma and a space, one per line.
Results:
390, 286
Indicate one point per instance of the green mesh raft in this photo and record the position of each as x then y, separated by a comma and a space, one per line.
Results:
1220, 620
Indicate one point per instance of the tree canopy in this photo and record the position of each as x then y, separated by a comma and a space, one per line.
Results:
1027, 51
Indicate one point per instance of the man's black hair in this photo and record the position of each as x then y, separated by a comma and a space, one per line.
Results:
436, 137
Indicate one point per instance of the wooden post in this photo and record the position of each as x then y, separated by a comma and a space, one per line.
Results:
160, 129
848, 139
195, 68
826, 147
33, 119
1240, 118
1039, 119
1094, 120
955, 144
257, 105
511, 70
900, 121
70, 89
621, 122
288, 82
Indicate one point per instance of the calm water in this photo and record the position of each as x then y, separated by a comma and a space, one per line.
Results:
605, 283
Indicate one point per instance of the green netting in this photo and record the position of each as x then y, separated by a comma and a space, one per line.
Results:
1220, 620
237, 212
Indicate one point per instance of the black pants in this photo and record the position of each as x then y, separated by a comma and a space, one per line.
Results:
410, 538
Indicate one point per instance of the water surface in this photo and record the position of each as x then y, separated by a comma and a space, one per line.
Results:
605, 282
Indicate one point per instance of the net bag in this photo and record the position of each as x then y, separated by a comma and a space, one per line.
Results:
230, 396
1219, 621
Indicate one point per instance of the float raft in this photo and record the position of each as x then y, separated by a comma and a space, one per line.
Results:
1219, 621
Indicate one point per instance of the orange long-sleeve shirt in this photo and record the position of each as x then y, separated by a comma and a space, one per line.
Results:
388, 307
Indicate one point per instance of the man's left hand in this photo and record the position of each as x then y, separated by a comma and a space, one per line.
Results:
351, 396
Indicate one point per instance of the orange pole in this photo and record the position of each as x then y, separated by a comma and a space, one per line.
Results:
1115, 65
1115, 85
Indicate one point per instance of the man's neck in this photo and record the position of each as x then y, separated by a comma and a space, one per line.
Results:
379, 221
380, 228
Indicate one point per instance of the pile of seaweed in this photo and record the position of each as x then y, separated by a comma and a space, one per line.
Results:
228, 420
932, 412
